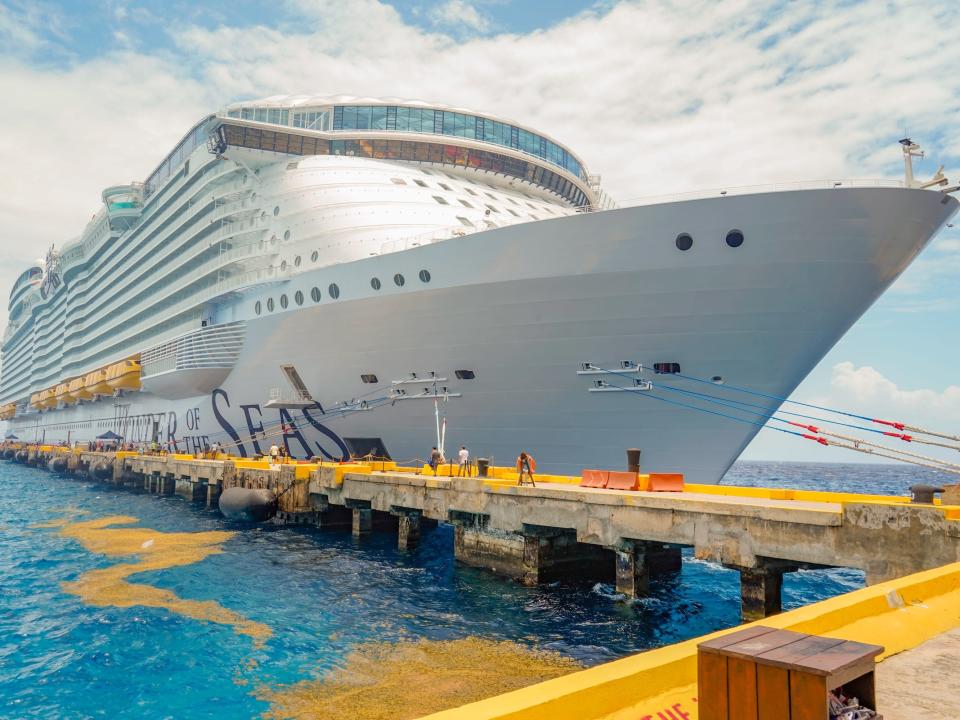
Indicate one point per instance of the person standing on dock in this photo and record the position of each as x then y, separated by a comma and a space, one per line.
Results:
435, 459
525, 466
274, 453
463, 458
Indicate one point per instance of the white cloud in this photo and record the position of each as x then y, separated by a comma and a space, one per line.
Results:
863, 390
459, 14
655, 96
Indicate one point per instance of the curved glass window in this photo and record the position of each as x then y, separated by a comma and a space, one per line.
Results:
276, 210
315, 294
314, 255
283, 265
445, 122
298, 297
414, 151
296, 261
425, 276
286, 235
398, 280
283, 301
258, 308
270, 304
334, 291
375, 283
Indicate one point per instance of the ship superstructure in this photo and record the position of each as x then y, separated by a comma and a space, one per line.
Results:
299, 254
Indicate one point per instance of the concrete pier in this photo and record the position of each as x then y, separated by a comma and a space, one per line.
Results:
560, 530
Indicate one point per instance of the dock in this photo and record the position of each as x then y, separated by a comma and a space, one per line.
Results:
558, 529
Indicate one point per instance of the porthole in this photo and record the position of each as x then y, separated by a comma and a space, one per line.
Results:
283, 302
283, 265
375, 283
258, 308
734, 238
286, 234
270, 304
684, 241
424, 276
276, 210
296, 261
315, 294
298, 297
314, 255
398, 280
333, 291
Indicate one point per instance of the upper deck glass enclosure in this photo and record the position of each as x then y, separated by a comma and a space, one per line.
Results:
387, 117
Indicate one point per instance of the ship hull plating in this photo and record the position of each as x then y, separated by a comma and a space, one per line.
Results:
523, 308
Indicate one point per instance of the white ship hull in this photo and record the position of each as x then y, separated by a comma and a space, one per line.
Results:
524, 307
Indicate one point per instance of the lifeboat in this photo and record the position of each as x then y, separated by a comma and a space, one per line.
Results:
36, 401
8, 411
77, 388
62, 394
96, 383
49, 398
124, 375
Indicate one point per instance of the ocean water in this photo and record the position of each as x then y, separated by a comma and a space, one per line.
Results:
320, 593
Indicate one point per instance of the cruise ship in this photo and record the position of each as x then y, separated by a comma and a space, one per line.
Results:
347, 276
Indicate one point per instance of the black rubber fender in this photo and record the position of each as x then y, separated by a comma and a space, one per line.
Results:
248, 505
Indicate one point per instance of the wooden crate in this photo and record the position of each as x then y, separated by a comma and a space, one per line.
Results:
761, 673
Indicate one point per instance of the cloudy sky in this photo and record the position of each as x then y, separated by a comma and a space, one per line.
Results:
696, 95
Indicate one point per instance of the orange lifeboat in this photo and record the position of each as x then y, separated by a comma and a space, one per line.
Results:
48, 398
36, 401
62, 394
77, 388
96, 383
124, 375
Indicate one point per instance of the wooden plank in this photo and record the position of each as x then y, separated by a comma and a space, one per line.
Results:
749, 649
742, 688
792, 655
735, 637
839, 657
808, 696
773, 693
712, 686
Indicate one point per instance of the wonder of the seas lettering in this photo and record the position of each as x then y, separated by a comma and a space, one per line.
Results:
293, 430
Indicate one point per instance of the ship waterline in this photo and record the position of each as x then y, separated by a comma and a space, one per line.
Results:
504, 318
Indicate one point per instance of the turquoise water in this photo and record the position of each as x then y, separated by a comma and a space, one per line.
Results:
321, 593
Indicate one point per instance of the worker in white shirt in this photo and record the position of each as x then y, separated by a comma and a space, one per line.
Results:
274, 453
464, 458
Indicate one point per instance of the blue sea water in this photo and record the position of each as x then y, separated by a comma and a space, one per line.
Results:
321, 592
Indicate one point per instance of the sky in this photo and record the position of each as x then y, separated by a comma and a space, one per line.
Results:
656, 96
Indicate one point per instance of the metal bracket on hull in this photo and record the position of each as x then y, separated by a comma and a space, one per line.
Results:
625, 367
414, 380
604, 386
425, 395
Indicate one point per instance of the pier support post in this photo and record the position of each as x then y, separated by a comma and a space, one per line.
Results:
408, 530
638, 560
761, 588
362, 521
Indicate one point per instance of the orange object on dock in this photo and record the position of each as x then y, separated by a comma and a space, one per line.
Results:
666, 482
594, 478
618, 480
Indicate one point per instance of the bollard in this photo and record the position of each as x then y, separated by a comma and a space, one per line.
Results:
924, 493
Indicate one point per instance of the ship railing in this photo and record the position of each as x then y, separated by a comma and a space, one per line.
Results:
214, 346
192, 222
213, 265
751, 190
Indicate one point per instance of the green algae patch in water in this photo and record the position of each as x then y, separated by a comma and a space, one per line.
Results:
400, 681
155, 551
